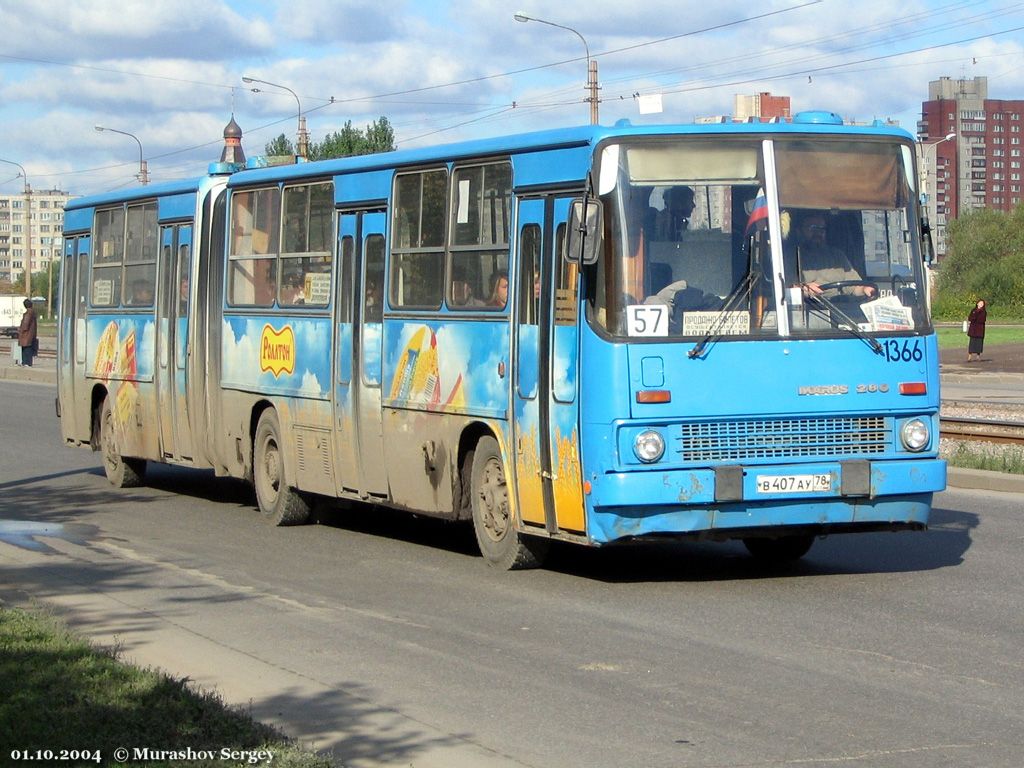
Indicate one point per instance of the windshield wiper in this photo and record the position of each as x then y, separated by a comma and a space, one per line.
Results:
851, 325
740, 291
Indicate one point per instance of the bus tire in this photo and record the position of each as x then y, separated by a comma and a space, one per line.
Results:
120, 471
280, 503
785, 549
501, 545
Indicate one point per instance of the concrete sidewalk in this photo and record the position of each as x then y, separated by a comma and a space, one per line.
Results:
43, 370
979, 381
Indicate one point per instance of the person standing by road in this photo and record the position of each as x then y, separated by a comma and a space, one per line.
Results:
27, 334
976, 330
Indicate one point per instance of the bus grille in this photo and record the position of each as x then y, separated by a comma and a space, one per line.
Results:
783, 438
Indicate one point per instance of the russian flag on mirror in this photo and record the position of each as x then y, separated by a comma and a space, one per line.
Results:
759, 213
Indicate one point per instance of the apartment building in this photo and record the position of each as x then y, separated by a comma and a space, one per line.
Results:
31, 231
971, 151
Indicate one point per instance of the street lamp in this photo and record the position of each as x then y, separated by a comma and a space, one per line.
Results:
28, 231
928, 201
591, 63
303, 148
926, 169
143, 175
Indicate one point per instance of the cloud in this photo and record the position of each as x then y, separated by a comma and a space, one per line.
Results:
170, 72
327, 21
132, 28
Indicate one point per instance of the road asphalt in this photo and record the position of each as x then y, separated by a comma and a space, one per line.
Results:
998, 376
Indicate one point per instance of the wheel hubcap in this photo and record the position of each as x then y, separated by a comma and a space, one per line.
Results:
271, 474
110, 455
493, 496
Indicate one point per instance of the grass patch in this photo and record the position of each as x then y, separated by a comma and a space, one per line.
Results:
952, 337
995, 458
63, 693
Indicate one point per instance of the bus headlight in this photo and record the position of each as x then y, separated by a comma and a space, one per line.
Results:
649, 446
915, 435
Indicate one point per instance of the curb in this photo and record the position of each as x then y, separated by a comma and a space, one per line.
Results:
981, 378
984, 480
34, 374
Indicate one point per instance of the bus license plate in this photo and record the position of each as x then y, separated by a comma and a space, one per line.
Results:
793, 483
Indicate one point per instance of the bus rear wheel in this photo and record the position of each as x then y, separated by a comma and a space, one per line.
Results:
280, 503
784, 549
500, 543
120, 471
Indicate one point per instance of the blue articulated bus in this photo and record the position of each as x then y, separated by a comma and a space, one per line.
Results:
596, 335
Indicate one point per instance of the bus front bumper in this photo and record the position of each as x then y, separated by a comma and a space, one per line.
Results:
733, 502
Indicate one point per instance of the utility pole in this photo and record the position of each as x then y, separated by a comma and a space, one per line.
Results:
592, 87
28, 229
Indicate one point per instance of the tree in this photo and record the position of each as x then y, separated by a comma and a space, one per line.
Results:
347, 142
282, 145
985, 260
378, 136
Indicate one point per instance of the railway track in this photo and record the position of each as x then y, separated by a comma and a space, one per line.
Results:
989, 430
5, 349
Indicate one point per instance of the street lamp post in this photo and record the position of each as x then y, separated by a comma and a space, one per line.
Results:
928, 200
927, 169
592, 86
143, 175
303, 147
28, 230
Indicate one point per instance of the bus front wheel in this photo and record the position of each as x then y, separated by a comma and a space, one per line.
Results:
120, 471
500, 543
784, 549
280, 503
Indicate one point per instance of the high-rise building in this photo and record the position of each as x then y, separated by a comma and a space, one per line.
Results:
980, 167
31, 231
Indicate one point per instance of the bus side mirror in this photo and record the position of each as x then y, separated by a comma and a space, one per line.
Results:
585, 228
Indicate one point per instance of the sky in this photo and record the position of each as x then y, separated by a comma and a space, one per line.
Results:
170, 72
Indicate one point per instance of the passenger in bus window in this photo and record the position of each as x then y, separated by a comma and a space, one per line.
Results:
499, 290
462, 291
817, 263
183, 293
142, 294
374, 310
292, 293
673, 220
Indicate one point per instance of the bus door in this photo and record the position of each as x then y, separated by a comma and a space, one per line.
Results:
545, 402
71, 340
172, 341
358, 418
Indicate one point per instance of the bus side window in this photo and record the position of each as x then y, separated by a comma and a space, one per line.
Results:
417, 245
568, 279
345, 296
529, 275
373, 311
306, 250
478, 236
140, 254
255, 221
108, 257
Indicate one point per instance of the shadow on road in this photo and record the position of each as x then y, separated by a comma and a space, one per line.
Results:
46, 499
944, 545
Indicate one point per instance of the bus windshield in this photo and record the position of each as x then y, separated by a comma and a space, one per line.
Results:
688, 238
